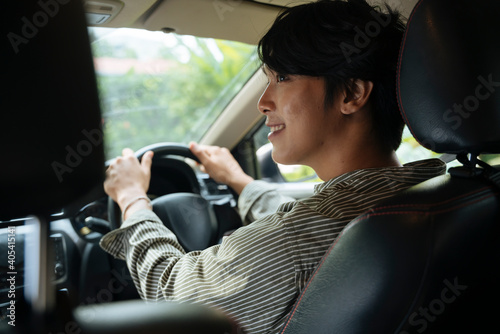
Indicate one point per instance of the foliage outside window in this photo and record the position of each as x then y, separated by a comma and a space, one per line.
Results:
157, 87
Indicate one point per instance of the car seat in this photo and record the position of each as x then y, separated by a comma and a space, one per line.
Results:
427, 260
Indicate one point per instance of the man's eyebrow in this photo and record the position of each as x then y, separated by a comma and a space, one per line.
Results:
267, 71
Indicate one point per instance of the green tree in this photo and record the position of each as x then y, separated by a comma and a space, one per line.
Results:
175, 105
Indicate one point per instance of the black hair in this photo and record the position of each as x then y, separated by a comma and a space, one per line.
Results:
342, 41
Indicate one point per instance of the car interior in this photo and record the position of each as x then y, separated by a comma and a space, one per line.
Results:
422, 261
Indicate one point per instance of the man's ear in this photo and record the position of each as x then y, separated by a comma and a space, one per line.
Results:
361, 91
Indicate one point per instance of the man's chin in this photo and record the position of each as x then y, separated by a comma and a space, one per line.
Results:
281, 158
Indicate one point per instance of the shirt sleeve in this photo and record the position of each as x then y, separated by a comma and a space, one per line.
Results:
259, 199
251, 275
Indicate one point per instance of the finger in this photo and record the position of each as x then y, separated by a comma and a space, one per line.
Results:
147, 160
195, 147
127, 152
199, 151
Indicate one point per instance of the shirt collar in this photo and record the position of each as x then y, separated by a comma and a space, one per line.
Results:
423, 169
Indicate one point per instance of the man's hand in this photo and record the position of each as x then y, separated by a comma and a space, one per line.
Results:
127, 179
220, 164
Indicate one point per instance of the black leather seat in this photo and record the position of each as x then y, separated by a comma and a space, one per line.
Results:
427, 260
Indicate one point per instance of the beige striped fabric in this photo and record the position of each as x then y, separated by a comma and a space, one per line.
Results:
256, 273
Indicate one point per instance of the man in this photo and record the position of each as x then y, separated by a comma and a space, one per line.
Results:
330, 104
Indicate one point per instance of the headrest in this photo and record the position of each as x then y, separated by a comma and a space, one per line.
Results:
449, 76
50, 125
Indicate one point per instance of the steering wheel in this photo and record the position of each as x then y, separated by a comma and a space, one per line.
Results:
189, 216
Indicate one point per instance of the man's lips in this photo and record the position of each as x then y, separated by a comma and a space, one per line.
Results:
277, 127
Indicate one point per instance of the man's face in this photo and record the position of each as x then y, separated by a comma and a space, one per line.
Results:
302, 131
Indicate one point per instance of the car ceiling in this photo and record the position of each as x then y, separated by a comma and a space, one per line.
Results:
239, 20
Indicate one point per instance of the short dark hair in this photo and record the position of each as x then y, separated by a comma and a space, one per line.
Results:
342, 41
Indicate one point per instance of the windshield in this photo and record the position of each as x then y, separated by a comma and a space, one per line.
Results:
157, 87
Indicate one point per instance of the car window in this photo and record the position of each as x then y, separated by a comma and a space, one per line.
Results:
491, 159
410, 150
157, 87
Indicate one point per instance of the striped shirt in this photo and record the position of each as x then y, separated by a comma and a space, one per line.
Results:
257, 272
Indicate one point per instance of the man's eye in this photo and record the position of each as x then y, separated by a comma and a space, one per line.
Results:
280, 77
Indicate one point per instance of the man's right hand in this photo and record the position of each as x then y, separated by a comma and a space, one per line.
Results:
128, 179
220, 164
